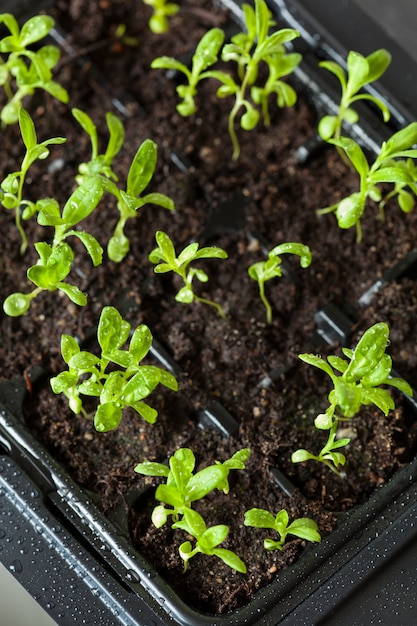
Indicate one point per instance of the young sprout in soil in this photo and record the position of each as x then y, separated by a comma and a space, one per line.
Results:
207, 541
361, 71
139, 176
181, 489
304, 527
100, 163
25, 70
162, 11
11, 189
122, 39
330, 454
116, 389
55, 260
271, 268
388, 167
249, 50
367, 368
164, 256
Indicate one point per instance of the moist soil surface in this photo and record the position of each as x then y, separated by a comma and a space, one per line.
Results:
273, 199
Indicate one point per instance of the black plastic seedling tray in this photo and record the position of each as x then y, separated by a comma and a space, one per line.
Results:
80, 565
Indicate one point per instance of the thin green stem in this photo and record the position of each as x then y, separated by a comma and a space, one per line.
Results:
358, 232
265, 301
232, 132
211, 303
24, 244
331, 466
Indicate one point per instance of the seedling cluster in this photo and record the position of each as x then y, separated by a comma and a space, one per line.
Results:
94, 179
249, 50
183, 488
140, 174
116, 378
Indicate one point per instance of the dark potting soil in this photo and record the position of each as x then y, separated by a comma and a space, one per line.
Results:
220, 360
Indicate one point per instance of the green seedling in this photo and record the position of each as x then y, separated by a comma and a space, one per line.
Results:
55, 260
271, 268
207, 541
356, 382
162, 11
182, 486
304, 527
23, 70
365, 369
249, 50
164, 256
361, 71
100, 163
388, 167
11, 189
206, 54
139, 176
330, 454
123, 39
127, 386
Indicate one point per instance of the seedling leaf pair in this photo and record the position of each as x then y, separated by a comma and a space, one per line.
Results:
303, 527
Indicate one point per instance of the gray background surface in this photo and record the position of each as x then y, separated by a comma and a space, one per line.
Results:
397, 17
